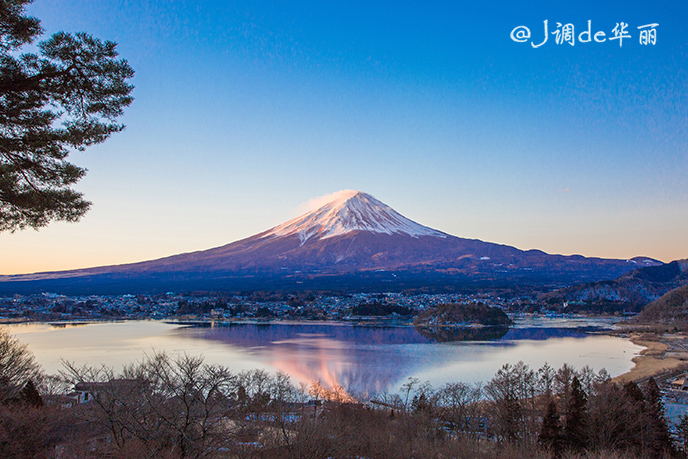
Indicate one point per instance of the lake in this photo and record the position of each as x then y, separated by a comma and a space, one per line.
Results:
361, 359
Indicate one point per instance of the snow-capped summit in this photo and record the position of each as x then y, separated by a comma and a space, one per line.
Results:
347, 211
350, 240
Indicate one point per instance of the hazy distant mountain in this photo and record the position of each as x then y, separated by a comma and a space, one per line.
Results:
631, 291
353, 238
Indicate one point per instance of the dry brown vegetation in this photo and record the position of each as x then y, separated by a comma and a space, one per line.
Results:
670, 310
167, 407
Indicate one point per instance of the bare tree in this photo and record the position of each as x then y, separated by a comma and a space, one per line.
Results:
514, 413
615, 420
177, 405
460, 407
546, 379
17, 367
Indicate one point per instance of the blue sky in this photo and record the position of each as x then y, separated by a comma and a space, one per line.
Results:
244, 110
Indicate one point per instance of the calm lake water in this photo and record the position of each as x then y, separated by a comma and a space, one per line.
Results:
360, 359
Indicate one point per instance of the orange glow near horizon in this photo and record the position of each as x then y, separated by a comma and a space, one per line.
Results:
144, 236
57, 250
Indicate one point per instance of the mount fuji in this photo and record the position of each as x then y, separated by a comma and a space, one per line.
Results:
351, 241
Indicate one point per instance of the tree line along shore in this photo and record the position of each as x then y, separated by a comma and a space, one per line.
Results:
182, 407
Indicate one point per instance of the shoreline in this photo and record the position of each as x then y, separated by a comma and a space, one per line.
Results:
663, 354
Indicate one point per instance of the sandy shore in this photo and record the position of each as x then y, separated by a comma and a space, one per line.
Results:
663, 354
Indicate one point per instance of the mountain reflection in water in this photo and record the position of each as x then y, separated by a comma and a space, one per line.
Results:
365, 359
361, 359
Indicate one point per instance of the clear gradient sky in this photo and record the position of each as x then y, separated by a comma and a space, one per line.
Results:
245, 110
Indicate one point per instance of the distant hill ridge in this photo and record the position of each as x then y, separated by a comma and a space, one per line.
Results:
630, 291
670, 309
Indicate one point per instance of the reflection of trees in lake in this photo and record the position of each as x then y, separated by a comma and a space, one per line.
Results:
68, 324
251, 335
445, 334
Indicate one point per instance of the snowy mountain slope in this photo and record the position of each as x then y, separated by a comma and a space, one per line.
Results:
351, 233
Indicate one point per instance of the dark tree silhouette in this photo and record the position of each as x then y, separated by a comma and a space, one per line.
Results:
575, 427
634, 392
550, 434
65, 96
637, 398
659, 441
30, 396
17, 365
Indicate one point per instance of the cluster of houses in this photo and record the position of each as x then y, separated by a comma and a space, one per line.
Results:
53, 307
675, 398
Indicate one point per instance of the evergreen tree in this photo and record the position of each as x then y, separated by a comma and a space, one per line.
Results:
242, 398
420, 402
636, 401
634, 392
30, 396
575, 428
66, 95
659, 440
550, 434
632, 408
